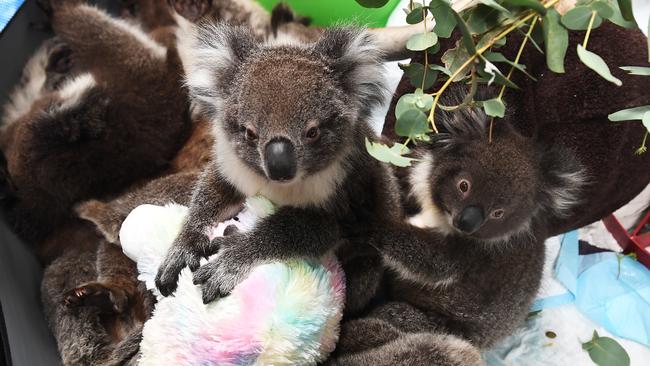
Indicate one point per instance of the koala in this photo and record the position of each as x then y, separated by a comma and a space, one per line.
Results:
93, 302
289, 123
464, 272
99, 108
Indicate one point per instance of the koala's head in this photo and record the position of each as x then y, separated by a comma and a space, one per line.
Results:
492, 190
286, 110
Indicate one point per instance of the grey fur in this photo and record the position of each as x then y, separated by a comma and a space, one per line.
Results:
476, 286
339, 190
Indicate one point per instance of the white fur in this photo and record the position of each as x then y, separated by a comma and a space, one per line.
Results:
155, 48
431, 216
565, 198
25, 94
73, 91
313, 190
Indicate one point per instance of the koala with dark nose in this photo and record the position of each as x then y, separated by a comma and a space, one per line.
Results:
464, 272
290, 124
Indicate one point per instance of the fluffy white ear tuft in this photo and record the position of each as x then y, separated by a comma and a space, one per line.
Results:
211, 55
358, 64
563, 181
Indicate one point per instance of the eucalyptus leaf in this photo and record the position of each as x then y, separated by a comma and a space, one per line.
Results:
416, 15
372, 3
603, 9
578, 18
487, 38
433, 50
482, 18
415, 73
421, 41
454, 58
629, 114
626, 9
442, 69
444, 16
637, 70
499, 57
405, 103
556, 41
383, 153
491, 74
494, 5
596, 63
531, 4
605, 351
467, 36
494, 107
619, 20
412, 122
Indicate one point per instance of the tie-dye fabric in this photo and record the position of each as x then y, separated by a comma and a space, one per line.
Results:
284, 313
8, 9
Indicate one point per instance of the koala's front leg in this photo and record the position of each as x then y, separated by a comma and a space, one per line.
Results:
415, 253
288, 233
214, 200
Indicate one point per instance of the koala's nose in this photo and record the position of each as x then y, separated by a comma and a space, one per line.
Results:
280, 157
470, 219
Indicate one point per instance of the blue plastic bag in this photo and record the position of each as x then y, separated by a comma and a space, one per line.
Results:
8, 8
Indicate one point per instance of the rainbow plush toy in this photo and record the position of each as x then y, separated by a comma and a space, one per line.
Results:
283, 314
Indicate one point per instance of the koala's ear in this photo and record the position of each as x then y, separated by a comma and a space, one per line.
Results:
356, 63
562, 181
211, 55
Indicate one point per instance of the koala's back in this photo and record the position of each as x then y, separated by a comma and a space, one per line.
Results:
485, 299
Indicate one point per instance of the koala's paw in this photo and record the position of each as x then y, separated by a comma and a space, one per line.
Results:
178, 257
231, 265
191, 10
95, 294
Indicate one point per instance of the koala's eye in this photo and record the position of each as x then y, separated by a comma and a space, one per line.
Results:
497, 214
312, 134
249, 134
464, 186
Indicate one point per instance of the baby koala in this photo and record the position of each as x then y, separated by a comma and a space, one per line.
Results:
289, 123
464, 273
99, 108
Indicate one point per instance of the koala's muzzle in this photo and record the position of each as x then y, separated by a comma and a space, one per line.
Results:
280, 158
470, 219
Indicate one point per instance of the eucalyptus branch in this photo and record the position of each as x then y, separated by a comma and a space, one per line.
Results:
426, 53
591, 24
531, 14
469, 98
519, 53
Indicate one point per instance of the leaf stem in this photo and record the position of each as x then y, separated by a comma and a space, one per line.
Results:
426, 55
519, 53
591, 24
478, 53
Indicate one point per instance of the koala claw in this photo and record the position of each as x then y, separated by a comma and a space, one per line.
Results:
170, 269
220, 276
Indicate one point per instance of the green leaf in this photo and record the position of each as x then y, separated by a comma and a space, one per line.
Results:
605, 351
483, 18
630, 114
415, 73
603, 9
646, 121
619, 20
372, 3
442, 69
626, 9
487, 37
454, 58
499, 57
637, 70
531, 4
412, 122
445, 20
421, 41
556, 41
494, 5
492, 74
494, 107
383, 153
405, 103
596, 63
578, 18
467, 36
416, 15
